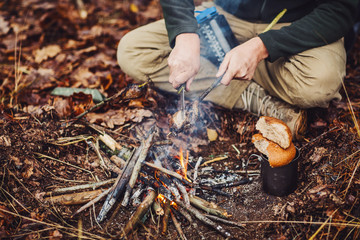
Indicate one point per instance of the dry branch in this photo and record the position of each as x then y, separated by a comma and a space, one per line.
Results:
205, 220
122, 182
81, 187
140, 212
135, 173
165, 219
74, 198
168, 172
210, 208
178, 226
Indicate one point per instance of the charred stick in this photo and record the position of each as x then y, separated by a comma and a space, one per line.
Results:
225, 221
139, 213
168, 172
183, 191
215, 190
179, 185
165, 219
168, 183
231, 184
119, 185
150, 181
92, 202
178, 226
137, 167
205, 220
208, 207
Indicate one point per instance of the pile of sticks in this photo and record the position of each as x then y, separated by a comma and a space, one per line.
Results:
169, 193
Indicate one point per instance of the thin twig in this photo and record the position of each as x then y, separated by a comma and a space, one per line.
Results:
170, 173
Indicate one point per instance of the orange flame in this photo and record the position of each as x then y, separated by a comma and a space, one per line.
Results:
162, 199
184, 163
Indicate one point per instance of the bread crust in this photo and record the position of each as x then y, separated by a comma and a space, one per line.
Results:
275, 130
277, 156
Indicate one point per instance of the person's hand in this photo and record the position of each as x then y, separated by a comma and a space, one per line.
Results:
241, 61
184, 60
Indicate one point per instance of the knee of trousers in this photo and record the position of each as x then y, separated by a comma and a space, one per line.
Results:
317, 89
128, 56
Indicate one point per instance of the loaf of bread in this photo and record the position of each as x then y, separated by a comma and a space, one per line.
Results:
275, 130
276, 155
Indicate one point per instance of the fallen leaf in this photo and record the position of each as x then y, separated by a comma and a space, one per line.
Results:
62, 107
212, 134
46, 52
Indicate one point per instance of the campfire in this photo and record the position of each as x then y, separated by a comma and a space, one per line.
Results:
154, 177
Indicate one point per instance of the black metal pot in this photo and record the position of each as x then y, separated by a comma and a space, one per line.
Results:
279, 181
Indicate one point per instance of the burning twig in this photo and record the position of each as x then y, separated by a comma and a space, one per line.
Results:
208, 207
168, 172
140, 212
205, 220
183, 191
137, 167
178, 226
168, 183
165, 219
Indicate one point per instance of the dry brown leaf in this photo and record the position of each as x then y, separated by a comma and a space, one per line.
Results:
83, 77
212, 134
46, 52
62, 107
114, 118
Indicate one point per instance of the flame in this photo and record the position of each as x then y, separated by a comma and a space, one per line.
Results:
184, 163
162, 199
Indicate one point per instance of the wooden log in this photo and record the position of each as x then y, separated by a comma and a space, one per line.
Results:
74, 198
178, 226
119, 186
168, 172
208, 207
139, 213
205, 220
225, 221
165, 219
135, 173
80, 187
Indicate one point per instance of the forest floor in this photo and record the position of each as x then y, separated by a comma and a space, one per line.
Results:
50, 44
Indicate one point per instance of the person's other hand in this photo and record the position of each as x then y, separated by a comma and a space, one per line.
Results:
184, 60
241, 61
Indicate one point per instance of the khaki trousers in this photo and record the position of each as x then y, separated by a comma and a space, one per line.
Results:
309, 79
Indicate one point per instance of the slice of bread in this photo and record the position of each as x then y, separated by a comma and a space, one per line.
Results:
275, 130
277, 156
